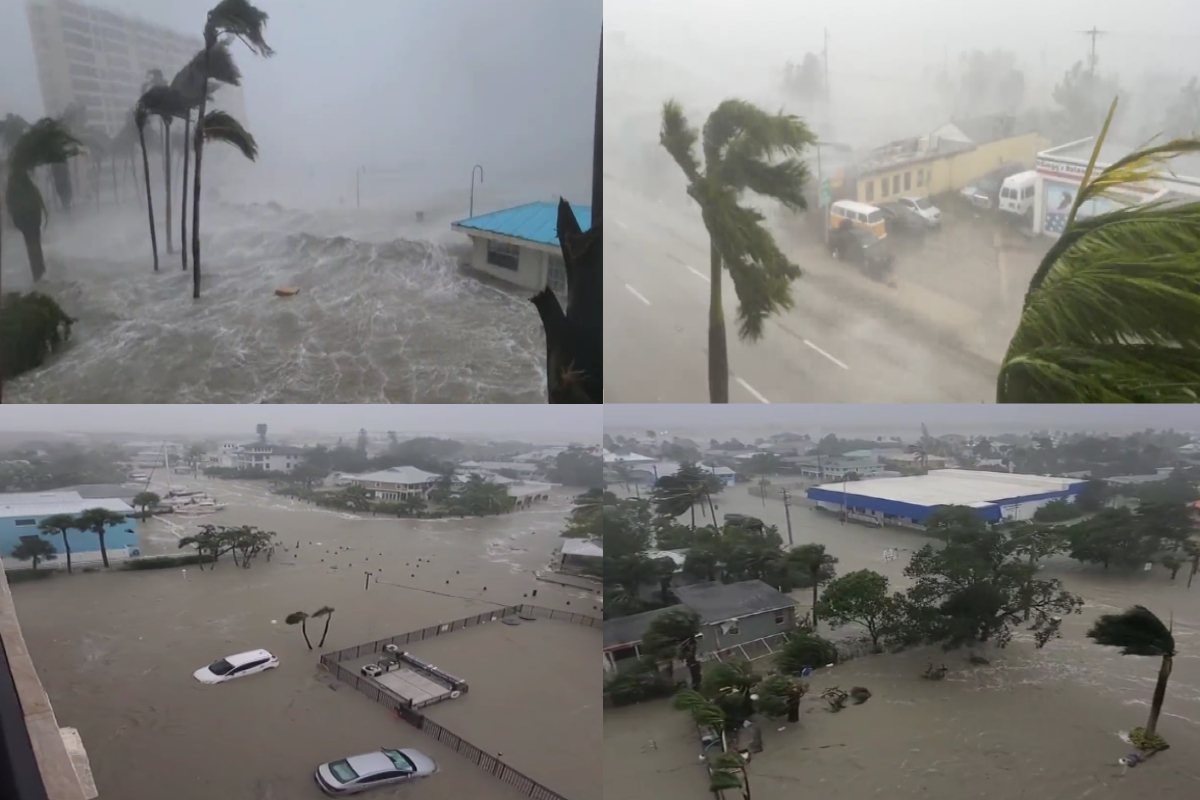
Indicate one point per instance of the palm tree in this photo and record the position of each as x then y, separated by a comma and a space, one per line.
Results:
1112, 314
98, 521
742, 146
728, 771
144, 500
35, 549
327, 613
155, 80
140, 115
58, 525
300, 618
46, 142
239, 19
1138, 632
814, 562
189, 82
675, 634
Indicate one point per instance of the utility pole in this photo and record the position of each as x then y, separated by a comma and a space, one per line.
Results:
1094, 34
787, 511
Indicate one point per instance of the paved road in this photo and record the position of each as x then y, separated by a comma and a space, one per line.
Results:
848, 340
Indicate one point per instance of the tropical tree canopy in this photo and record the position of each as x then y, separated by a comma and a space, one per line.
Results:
1112, 314
1136, 631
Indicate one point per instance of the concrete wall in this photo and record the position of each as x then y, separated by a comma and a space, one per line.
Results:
122, 535
531, 271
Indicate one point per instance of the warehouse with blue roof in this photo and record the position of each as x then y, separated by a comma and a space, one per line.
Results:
520, 245
996, 496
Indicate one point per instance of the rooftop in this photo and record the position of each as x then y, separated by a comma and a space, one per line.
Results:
621, 631
1184, 167
44, 504
532, 222
955, 487
625, 458
720, 602
914, 150
582, 547
407, 476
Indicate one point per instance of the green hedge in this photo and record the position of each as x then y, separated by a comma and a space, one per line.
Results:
26, 575
32, 327
163, 562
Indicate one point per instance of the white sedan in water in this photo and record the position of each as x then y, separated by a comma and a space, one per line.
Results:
235, 666
384, 767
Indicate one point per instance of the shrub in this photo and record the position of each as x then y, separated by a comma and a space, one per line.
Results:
163, 562
1057, 511
805, 650
32, 327
26, 575
637, 682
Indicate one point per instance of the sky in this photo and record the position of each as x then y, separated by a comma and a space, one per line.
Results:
900, 419
549, 423
416, 90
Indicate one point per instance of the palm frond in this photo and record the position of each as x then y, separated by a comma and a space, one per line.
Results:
163, 101
242, 20
221, 127
46, 142
1137, 631
679, 139
221, 69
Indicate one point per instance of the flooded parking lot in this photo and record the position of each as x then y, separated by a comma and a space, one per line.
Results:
116, 650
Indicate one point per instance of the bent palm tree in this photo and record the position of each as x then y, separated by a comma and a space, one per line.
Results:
1138, 632
155, 80
240, 19
58, 525
46, 142
98, 521
741, 145
1112, 314
300, 618
327, 613
190, 82
140, 115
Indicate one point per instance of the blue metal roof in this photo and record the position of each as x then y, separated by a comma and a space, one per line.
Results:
532, 222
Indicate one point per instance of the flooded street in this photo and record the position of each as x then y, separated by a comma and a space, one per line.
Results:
116, 651
1031, 723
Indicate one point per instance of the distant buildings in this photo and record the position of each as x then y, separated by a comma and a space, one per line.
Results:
21, 513
520, 245
395, 483
269, 457
100, 58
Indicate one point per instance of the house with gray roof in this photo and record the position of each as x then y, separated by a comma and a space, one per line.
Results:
395, 483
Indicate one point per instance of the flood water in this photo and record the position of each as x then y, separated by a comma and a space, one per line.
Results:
1031, 724
116, 653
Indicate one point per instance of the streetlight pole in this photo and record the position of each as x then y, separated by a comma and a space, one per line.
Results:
787, 512
358, 173
471, 212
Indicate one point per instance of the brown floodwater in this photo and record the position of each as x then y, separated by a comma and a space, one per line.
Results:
116, 653
1031, 724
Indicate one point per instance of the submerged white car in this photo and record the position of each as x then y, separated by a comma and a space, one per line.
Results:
384, 767
235, 666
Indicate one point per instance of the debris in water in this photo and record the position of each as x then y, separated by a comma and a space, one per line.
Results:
287, 291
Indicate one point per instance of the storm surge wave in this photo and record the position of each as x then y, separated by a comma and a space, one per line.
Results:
383, 315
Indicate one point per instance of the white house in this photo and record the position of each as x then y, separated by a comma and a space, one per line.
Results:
520, 245
395, 483
269, 457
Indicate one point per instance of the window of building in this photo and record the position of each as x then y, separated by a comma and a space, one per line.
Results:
870, 191
556, 278
907, 181
896, 184
81, 70
28, 522
503, 255
883, 187
920, 177
731, 629
77, 40
780, 617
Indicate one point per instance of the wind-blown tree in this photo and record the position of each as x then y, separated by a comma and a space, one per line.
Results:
211, 541
300, 618
140, 116
817, 566
191, 83
98, 521
36, 550
673, 635
1138, 632
144, 500
1112, 314
32, 327
45, 143
165, 114
679, 493
327, 613
243, 21
745, 149
58, 525
862, 598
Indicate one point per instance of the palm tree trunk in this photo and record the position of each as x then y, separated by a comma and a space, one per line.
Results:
693, 515
325, 632
67, 547
718, 354
712, 508
187, 124
816, 586
196, 183
103, 548
149, 197
304, 630
1160, 694
167, 176
37, 261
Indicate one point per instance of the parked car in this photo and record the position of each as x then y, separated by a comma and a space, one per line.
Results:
922, 209
985, 192
236, 666
901, 222
860, 247
384, 767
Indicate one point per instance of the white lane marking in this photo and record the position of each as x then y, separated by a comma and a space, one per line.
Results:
698, 274
757, 394
620, 224
822, 352
637, 294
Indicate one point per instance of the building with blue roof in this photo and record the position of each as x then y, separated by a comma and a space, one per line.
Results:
520, 245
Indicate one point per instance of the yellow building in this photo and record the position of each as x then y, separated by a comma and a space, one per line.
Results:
948, 159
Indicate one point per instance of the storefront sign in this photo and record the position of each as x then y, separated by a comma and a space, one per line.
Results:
1064, 169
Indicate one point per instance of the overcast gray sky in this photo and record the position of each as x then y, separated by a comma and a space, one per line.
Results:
547, 423
939, 418
425, 88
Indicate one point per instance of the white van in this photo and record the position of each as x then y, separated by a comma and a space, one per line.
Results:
1016, 193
